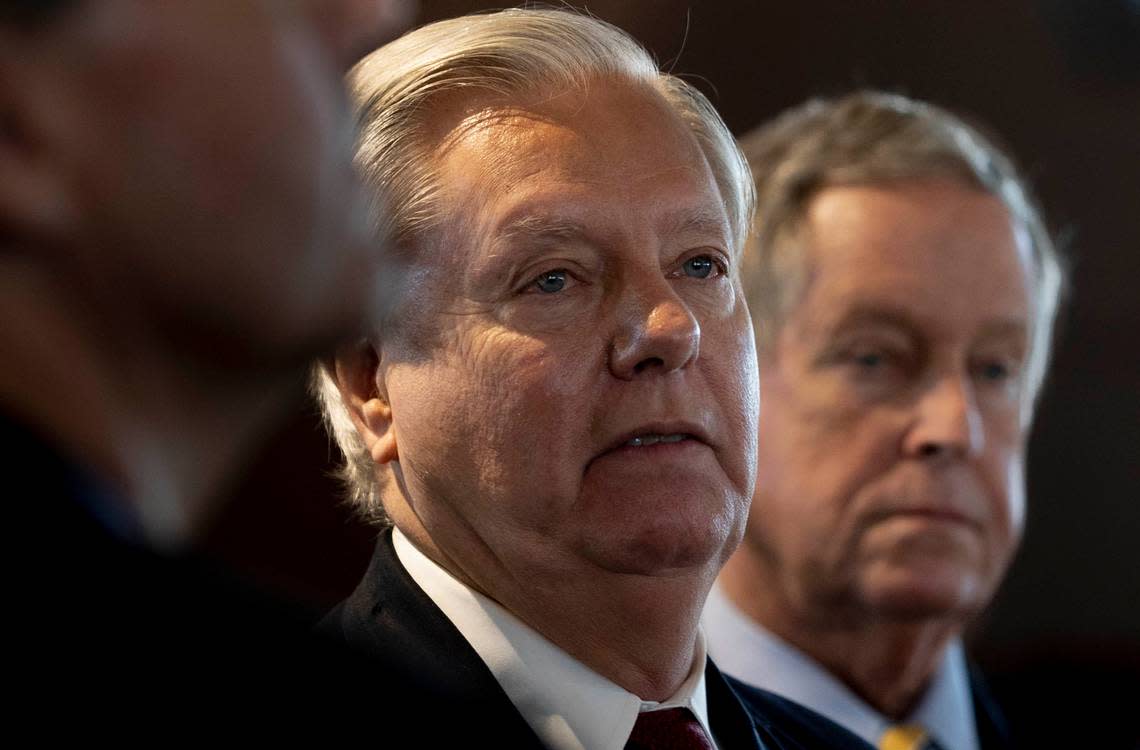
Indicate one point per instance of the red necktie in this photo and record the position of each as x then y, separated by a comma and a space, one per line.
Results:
670, 729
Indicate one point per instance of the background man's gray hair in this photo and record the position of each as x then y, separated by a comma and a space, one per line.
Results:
871, 137
507, 53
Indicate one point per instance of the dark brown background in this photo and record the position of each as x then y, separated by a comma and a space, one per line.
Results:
1059, 80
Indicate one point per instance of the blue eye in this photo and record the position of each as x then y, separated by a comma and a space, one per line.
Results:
699, 267
551, 281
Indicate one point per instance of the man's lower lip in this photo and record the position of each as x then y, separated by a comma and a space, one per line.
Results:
931, 516
656, 449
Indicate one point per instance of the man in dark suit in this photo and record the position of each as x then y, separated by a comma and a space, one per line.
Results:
182, 231
558, 416
903, 286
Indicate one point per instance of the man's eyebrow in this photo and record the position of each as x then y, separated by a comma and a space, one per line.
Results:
892, 317
875, 315
700, 222
538, 226
529, 235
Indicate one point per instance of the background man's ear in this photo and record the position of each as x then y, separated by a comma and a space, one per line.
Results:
356, 369
37, 205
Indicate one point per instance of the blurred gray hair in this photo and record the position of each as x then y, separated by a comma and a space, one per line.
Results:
506, 53
873, 137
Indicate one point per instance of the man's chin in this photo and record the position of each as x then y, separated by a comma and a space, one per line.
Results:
662, 530
912, 596
661, 548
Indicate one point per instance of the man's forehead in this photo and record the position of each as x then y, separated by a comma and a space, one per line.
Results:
600, 130
520, 147
863, 267
892, 303
877, 232
512, 171
507, 144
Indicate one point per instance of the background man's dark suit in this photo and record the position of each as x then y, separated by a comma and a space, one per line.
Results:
389, 618
989, 720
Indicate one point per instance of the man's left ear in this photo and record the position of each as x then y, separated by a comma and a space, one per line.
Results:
356, 370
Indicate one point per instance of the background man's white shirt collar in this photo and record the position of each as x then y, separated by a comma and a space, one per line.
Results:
749, 652
568, 705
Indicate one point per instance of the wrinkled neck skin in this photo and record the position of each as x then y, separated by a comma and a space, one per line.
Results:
888, 663
637, 631
160, 429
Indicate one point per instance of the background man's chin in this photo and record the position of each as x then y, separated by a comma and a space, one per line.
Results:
923, 598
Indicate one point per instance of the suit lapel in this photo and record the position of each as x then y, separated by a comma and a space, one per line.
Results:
730, 720
782, 724
993, 730
424, 659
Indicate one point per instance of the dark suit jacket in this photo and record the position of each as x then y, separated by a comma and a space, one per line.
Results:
392, 620
108, 639
993, 730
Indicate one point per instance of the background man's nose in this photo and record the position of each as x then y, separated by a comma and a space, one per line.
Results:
946, 422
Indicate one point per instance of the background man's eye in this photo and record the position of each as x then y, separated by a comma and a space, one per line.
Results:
700, 267
995, 371
551, 281
869, 359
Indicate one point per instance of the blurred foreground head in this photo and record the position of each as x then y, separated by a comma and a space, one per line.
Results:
180, 220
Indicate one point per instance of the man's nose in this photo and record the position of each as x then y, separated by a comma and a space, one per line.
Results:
656, 332
946, 421
353, 28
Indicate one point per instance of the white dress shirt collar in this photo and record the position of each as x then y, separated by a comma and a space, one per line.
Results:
746, 650
568, 705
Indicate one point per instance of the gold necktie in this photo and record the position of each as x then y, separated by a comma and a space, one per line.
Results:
906, 737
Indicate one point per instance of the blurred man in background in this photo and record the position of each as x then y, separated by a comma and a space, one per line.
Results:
903, 287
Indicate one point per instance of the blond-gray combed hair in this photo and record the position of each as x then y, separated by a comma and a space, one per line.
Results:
504, 54
878, 138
